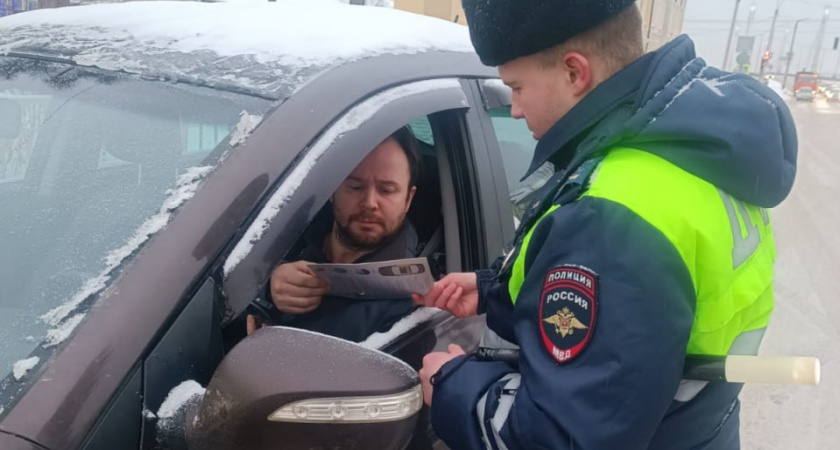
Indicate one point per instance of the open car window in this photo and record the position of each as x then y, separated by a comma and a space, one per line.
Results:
294, 203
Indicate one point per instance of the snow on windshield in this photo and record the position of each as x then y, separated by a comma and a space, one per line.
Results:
184, 190
259, 45
25, 365
348, 122
247, 123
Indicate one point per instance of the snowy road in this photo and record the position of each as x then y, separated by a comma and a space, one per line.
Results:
807, 317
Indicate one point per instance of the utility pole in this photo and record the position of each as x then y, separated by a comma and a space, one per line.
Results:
837, 69
770, 40
749, 25
819, 43
731, 31
650, 24
790, 53
750, 19
784, 43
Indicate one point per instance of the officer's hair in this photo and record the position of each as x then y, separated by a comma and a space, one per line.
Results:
618, 42
406, 140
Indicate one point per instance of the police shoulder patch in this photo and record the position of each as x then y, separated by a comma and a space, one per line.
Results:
568, 310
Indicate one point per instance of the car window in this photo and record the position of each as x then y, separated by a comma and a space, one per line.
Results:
517, 146
92, 164
422, 130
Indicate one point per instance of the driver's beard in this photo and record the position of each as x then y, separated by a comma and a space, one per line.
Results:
359, 243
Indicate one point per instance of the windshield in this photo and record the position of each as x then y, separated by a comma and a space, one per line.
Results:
89, 163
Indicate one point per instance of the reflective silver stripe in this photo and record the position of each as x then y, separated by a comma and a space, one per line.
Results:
480, 407
492, 340
745, 344
689, 389
500, 415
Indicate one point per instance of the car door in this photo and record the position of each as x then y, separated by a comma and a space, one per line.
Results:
471, 228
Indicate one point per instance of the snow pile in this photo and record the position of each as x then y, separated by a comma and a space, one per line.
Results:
178, 397
25, 365
348, 122
379, 340
172, 414
185, 188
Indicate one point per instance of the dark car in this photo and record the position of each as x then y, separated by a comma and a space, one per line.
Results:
158, 159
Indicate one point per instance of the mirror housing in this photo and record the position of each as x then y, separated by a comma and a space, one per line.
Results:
285, 388
10, 119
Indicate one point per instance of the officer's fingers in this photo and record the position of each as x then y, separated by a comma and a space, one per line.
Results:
456, 350
428, 300
454, 301
417, 299
446, 296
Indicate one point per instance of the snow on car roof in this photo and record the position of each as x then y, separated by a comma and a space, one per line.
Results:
263, 46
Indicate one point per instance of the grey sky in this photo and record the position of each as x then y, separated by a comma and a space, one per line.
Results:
707, 22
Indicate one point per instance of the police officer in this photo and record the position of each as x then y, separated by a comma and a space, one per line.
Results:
651, 242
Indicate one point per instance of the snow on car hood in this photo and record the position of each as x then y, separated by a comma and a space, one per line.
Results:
241, 43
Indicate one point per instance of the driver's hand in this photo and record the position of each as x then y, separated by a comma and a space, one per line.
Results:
295, 289
253, 324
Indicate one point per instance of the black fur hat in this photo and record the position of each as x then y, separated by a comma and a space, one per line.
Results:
503, 30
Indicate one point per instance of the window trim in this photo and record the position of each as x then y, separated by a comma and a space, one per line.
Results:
494, 172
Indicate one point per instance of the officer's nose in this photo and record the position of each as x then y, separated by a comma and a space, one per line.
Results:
516, 111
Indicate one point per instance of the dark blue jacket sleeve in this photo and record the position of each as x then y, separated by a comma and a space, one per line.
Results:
616, 390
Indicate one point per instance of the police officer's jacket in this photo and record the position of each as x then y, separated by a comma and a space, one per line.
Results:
663, 249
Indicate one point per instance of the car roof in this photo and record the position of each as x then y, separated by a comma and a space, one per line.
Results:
268, 48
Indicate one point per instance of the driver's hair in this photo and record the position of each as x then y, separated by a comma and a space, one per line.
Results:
406, 140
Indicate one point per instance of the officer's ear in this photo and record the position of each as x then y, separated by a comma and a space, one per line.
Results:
578, 73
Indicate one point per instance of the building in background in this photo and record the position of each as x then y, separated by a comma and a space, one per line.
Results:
663, 21
450, 10
8, 7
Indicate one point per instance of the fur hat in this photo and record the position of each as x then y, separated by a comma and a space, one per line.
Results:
503, 30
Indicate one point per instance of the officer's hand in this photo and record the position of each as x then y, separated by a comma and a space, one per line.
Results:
432, 364
456, 293
295, 289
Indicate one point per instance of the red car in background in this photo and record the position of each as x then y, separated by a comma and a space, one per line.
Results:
806, 79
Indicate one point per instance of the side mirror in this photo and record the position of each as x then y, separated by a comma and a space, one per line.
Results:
10, 119
285, 388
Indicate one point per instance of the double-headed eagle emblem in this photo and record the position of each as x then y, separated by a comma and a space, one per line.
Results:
565, 322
